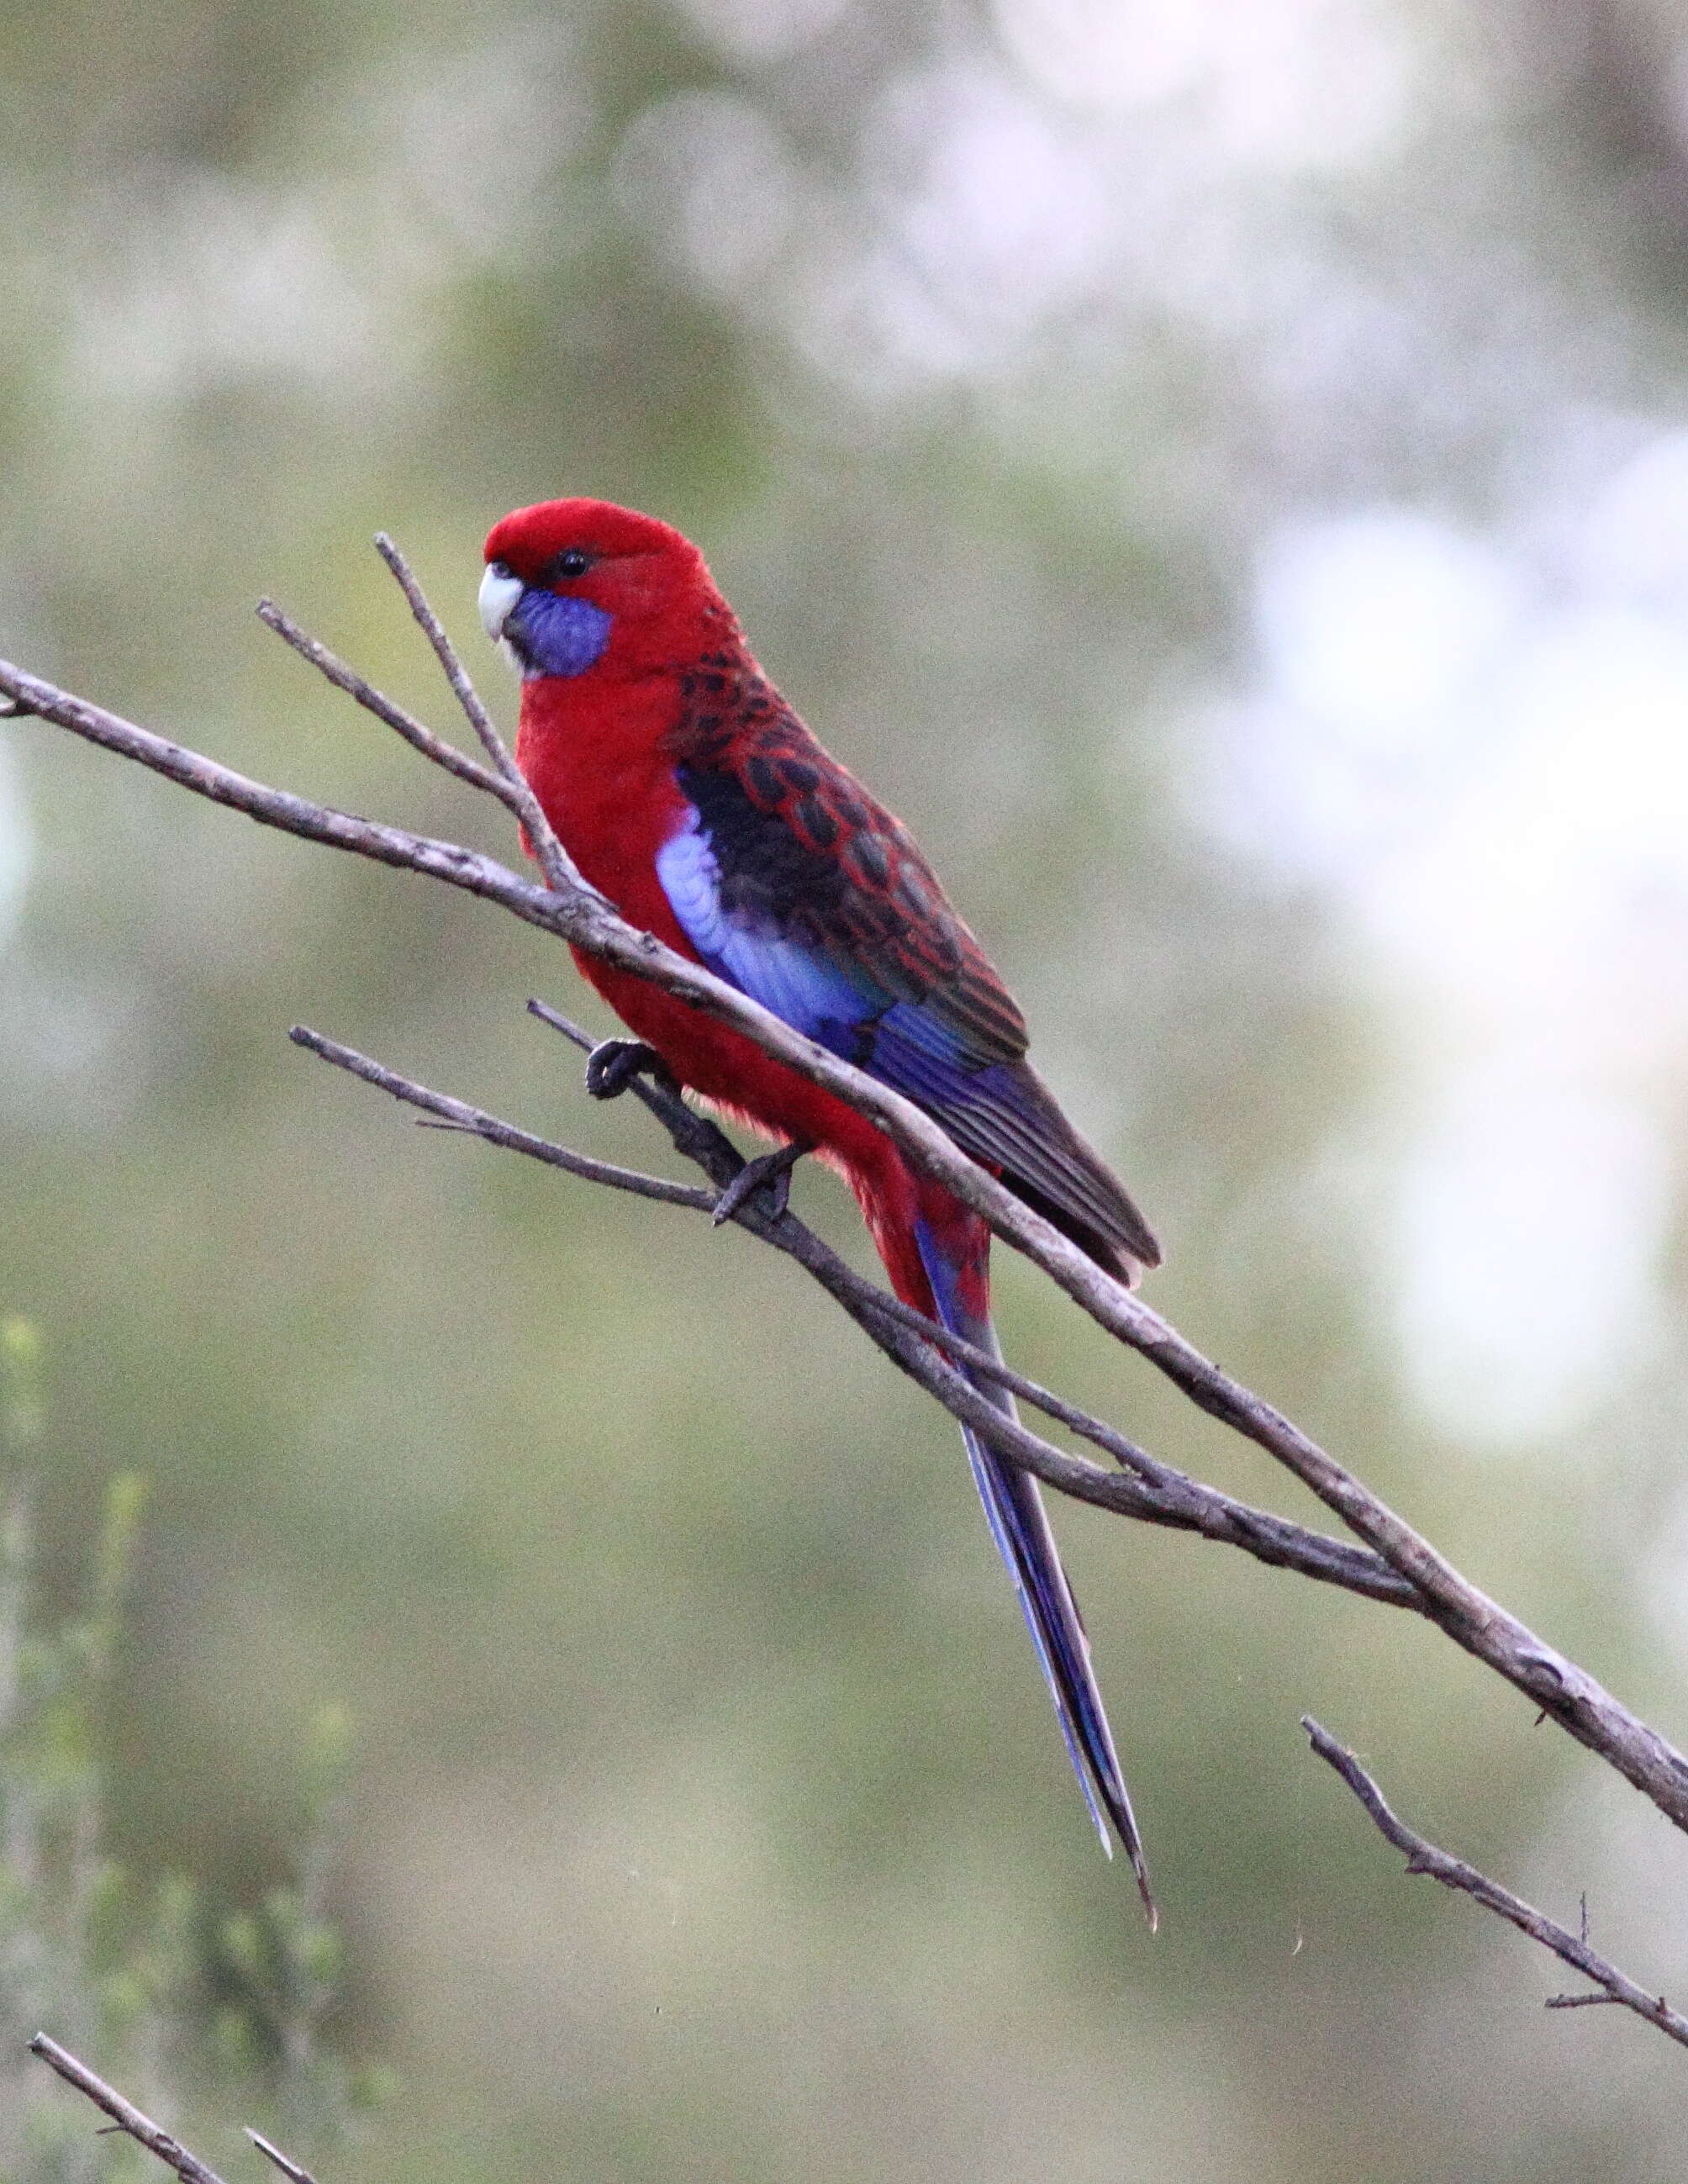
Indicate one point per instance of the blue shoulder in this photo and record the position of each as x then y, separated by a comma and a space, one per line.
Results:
800, 982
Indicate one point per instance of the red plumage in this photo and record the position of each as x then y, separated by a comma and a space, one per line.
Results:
647, 724
599, 749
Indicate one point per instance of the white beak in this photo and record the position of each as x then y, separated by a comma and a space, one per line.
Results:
499, 591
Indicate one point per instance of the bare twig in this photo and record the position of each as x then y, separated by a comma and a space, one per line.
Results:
1424, 1856
1157, 1494
461, 1115
126, 2117
699, 1139
554, 860
416, 732
288, 2166
1551, 1682
1274, 1540
124, 2114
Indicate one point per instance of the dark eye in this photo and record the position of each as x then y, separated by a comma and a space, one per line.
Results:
572, 561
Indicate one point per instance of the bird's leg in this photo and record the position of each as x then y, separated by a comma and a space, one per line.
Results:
774, 1169
613, 1064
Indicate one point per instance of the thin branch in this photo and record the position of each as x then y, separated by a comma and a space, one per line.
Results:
554, 860
474, 1121
1424, 1856
1157, 1494
289, 2167
697, 1139
124, 2114
576, 913
1547, 1678
416, 732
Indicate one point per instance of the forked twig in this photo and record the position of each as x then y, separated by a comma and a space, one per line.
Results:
1423, 1856
416, 732
141, 2128
554, 860
124, 2113
1153, 1492
476, 1123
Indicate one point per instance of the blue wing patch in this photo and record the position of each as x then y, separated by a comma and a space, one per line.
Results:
757, 929
841, 1005
807, 990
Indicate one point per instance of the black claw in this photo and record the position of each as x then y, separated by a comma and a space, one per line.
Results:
613, 1064
771, 1170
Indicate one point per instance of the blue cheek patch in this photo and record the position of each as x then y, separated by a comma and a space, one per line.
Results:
557, 636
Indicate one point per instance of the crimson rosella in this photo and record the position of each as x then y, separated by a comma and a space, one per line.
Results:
690, 793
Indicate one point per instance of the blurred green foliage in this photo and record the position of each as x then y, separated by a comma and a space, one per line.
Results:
187, 2005
709, 1820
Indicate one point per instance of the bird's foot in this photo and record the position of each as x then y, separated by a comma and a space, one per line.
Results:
772, 1170
613, 1064
15, 708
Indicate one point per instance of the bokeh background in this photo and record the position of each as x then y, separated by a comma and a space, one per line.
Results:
1220, 469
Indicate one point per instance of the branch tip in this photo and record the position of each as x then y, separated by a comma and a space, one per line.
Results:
558, 1022
554, 860
1423, 1856
288, 2166
124, 2114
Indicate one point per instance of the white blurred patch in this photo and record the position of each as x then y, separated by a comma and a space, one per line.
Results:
1375, 623
763, 29
1530, 1216
1553, 885
1284, 84
1113, 161
210, 279
1379, 633
709, 181
1636, 540
994, 217
1489, 779
1007, 216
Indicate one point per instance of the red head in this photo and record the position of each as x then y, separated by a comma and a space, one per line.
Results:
577, 584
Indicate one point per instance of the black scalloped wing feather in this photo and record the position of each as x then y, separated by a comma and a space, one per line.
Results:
804, 852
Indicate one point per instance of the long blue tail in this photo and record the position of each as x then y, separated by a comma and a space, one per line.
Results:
1020, 1526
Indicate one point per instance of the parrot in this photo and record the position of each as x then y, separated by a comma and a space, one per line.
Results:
693, 798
